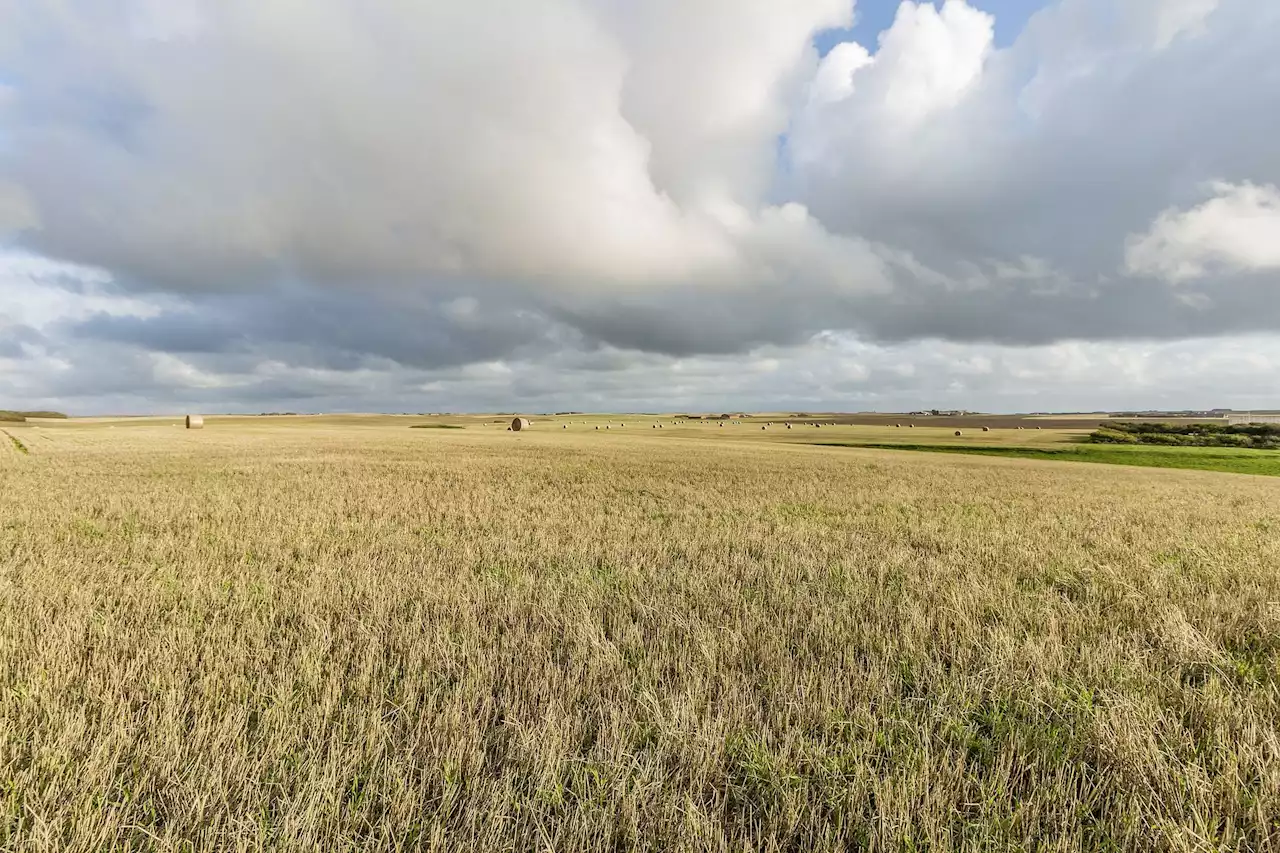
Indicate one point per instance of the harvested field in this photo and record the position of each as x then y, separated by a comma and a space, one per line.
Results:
346, 634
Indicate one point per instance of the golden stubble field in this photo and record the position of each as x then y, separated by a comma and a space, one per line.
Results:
351, 635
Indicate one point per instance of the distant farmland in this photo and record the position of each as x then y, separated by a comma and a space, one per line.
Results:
1229, 460
979, 421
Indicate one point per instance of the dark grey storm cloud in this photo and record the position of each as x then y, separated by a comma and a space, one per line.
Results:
16, 338
332, 329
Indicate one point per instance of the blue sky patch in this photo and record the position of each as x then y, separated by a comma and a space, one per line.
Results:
875, 16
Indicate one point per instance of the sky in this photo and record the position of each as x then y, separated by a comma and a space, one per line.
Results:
873, 17
329, 205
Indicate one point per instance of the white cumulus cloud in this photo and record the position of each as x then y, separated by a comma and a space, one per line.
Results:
1238, 230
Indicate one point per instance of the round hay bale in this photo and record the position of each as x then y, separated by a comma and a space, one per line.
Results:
1039, 427
898, 425
958, 433
195, 422
597, 427
518, 424
911, 426
986, 429
788, 426
564, 426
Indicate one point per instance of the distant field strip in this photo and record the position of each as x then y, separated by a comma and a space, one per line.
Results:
1263, 462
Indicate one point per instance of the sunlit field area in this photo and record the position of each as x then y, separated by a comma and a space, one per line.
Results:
627, 633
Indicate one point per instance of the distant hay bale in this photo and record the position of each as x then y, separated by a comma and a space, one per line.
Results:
764, 427
986, 429
959, 433
788, 426
898, 425
911, 426
195, 422
564, 426
518, 424
597, 427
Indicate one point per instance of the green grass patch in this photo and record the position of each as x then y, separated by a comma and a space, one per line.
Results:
18, 417
436, 426
22, 448
1253, 436
1230, 460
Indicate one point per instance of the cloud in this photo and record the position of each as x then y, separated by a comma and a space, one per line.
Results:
15, 209
1180, 17
571, 143
331, 188
331, 329
1097, 118
834, 78
1238, 230
710, 84
930, 58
